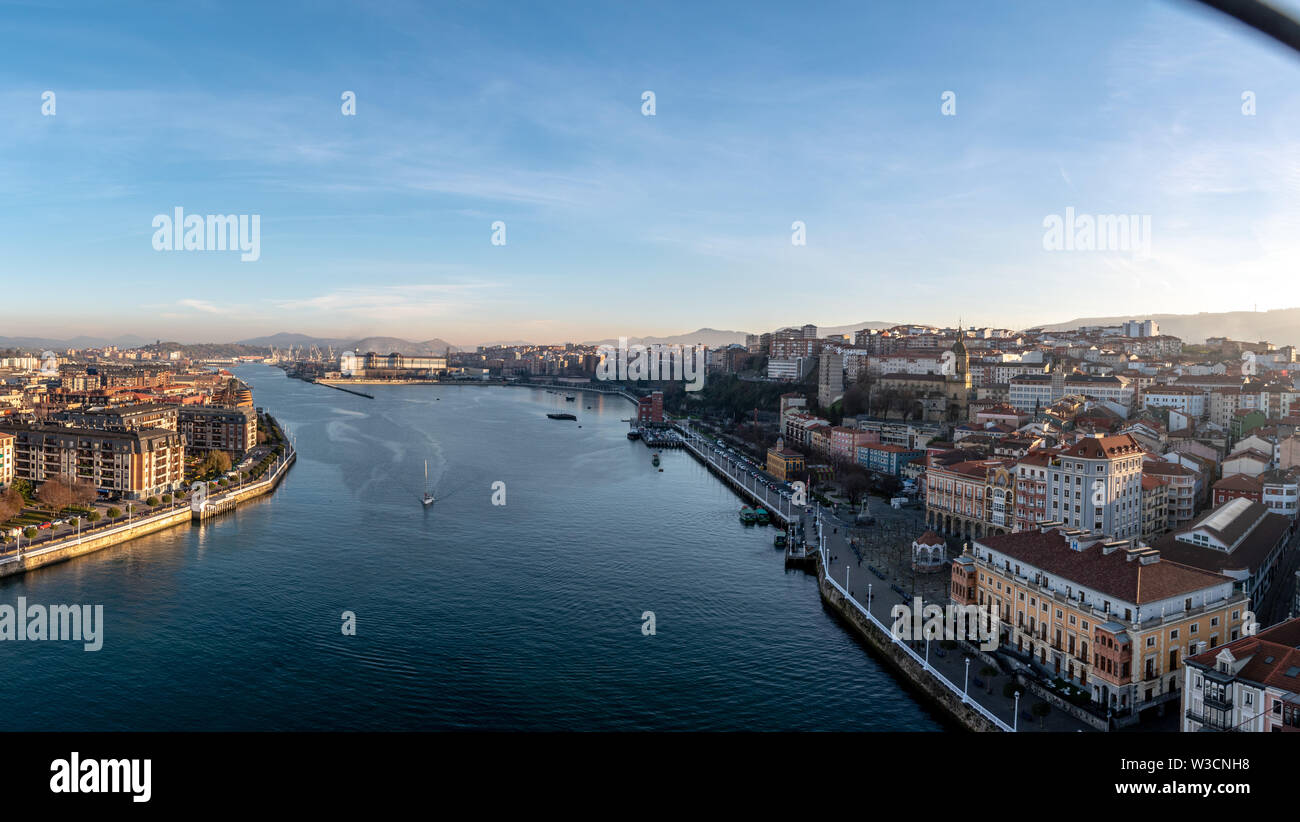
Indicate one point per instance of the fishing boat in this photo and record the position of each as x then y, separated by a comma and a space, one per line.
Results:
654, 460
570, 398
761, 515
747, 515
562, 416
634, 434
428, 497
779, 540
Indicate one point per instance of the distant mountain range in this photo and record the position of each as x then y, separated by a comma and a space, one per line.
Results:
122, 341
1280, 327
714, 338
711, 337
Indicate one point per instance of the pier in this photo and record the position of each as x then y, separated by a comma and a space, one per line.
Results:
229, 500
349, 390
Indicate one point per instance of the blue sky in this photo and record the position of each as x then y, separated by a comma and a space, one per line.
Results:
622, 224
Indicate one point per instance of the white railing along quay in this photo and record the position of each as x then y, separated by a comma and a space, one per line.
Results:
965, 697
761, 494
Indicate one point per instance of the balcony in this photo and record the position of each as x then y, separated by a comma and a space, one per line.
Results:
1209, 724
1218, 703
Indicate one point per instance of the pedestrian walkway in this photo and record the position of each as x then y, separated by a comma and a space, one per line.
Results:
851, 571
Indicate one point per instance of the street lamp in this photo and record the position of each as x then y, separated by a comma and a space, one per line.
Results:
965, 683
1015, 714
868, 596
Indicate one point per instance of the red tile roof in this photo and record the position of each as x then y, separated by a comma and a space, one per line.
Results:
1114, 574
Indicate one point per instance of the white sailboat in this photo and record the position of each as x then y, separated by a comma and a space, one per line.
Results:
428, 497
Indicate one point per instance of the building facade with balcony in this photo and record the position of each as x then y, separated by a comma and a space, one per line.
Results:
214, 428
1251, 685
128, 464
1111, 616
6, 460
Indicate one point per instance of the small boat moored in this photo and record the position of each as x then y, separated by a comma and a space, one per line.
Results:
562, 416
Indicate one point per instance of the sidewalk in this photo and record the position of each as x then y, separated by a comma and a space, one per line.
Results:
846, 563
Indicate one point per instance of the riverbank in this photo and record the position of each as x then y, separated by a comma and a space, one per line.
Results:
79, 546
920, 679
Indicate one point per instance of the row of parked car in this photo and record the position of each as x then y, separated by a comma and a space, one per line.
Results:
756, 471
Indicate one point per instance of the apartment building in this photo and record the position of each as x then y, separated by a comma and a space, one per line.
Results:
214, 428
6, 460
887, 459
830, 378
1281, 491
1095, 484
845, 442
1182, 398
131, 464
1155, 507
122, 417
1182, 492
1111, 616
1250, 685
798, 427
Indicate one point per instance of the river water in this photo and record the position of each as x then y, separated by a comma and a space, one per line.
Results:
469, 615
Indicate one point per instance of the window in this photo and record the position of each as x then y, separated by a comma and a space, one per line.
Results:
1173, 635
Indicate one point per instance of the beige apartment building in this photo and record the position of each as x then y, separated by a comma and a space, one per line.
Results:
129, 464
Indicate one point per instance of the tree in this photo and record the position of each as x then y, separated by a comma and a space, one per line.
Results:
11, 504
854, 481
1041, 710
114, 512
217, 462
55, 493
84, 491
23, 487
988, 672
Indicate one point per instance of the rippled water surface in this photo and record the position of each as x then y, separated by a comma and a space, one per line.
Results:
469, 615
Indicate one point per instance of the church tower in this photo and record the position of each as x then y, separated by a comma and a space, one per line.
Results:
957, 382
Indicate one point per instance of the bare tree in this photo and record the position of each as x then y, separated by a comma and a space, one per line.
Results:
84, 491
55, 493
11, 504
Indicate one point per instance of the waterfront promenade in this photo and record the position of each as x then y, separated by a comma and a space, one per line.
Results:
848, 567
850, 571
95, 537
